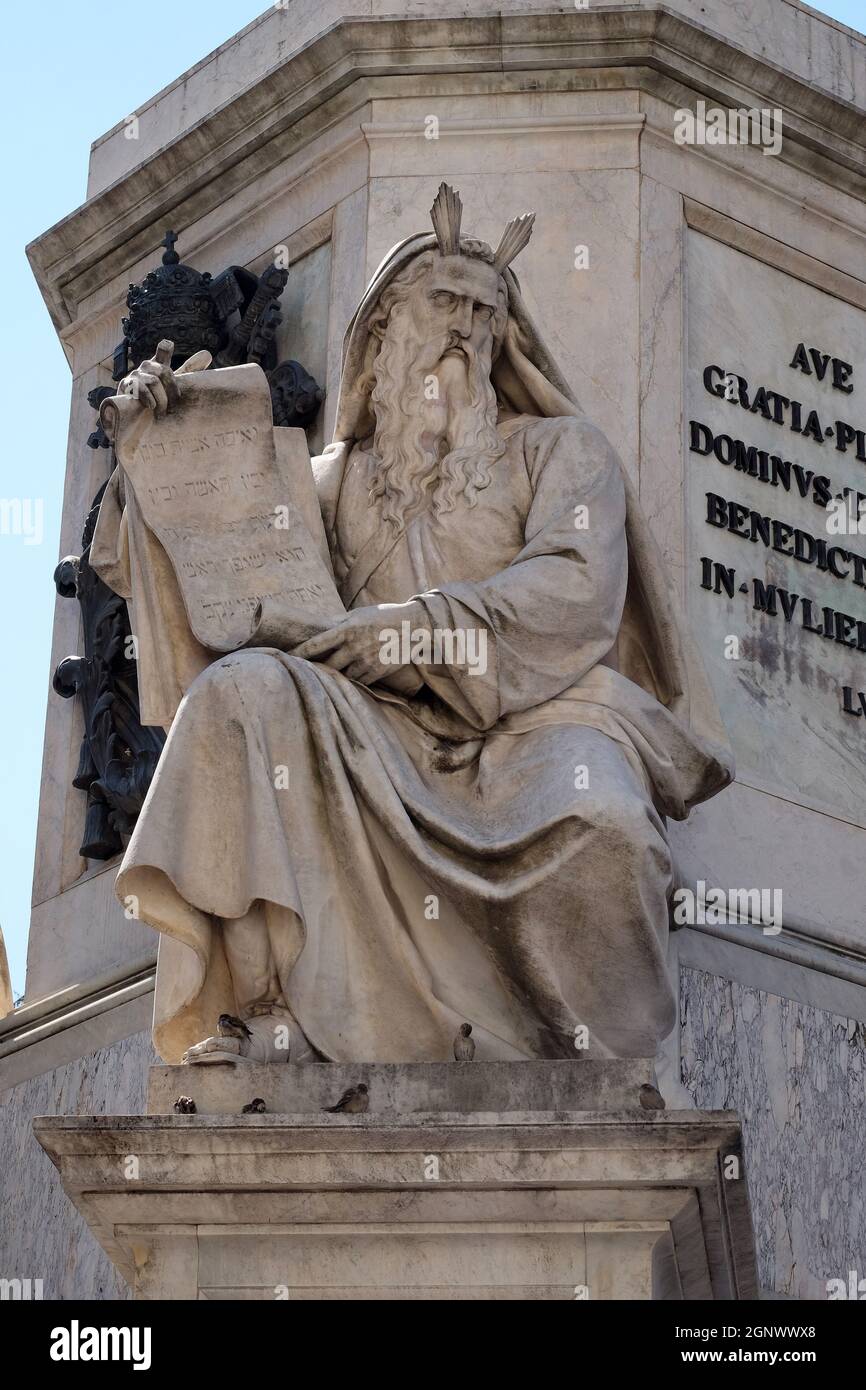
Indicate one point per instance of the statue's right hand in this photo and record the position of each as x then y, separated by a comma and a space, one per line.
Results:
153, 382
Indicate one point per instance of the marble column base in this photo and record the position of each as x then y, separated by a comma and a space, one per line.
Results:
437, 1204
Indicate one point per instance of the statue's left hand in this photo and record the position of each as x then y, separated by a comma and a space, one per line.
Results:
357, 644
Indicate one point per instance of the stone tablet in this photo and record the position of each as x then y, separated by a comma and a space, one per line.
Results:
229, 509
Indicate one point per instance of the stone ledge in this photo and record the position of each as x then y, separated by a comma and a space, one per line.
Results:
250, 53
399, 1089
624, 1204
83, 1019
52, 1013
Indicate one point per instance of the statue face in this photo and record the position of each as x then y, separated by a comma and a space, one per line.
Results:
452, 309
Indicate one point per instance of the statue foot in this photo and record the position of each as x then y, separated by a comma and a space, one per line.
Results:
213, 1050
274, 1036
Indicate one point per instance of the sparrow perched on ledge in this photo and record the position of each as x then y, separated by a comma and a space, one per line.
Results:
650, 1098
184, 1105
464, 1044
230, 1027
354, 1101
256, 1107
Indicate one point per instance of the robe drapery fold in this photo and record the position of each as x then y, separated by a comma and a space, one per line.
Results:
549, 901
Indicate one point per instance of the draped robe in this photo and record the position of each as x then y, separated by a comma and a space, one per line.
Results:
492, 851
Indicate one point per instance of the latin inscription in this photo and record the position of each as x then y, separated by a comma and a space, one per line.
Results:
834, 546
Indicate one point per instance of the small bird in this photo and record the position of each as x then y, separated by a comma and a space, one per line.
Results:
256, 1107
650, 1098
184, 1105
230, 1027
464, 1044
354, 1101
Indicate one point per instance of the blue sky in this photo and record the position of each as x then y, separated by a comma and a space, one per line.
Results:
69, 73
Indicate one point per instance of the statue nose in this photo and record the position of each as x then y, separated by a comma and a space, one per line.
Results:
463, 319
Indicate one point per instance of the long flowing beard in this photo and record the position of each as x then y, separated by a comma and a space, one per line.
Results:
426, 445
475, 441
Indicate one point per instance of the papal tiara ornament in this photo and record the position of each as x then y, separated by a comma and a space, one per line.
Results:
446, 214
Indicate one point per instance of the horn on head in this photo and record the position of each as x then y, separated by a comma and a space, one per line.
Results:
514, 238
445, 215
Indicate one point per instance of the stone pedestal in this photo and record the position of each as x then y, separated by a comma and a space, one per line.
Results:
451, 1202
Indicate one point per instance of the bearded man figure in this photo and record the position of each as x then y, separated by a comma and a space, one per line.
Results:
478, 840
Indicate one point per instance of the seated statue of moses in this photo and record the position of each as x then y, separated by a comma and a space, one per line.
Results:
446, 804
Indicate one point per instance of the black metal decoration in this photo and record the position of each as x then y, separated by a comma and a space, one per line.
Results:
235, 316
175, 300
118, 755
295, 395
98, 439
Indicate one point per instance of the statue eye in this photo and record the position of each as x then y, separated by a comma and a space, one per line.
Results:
444, 299
484, 311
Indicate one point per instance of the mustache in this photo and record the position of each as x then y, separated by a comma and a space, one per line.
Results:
433, 351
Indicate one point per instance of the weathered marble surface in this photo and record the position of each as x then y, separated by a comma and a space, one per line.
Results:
42, 1236
432, 1205
797, 1078
82, 930
782, 694
791, 36
397, 1091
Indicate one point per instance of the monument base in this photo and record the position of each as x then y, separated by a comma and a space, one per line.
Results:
447, 1203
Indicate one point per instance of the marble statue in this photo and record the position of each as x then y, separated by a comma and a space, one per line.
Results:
447, 805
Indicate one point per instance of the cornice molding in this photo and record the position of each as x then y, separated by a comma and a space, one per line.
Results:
778, 254
510, 126
308, 93
32, 1023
